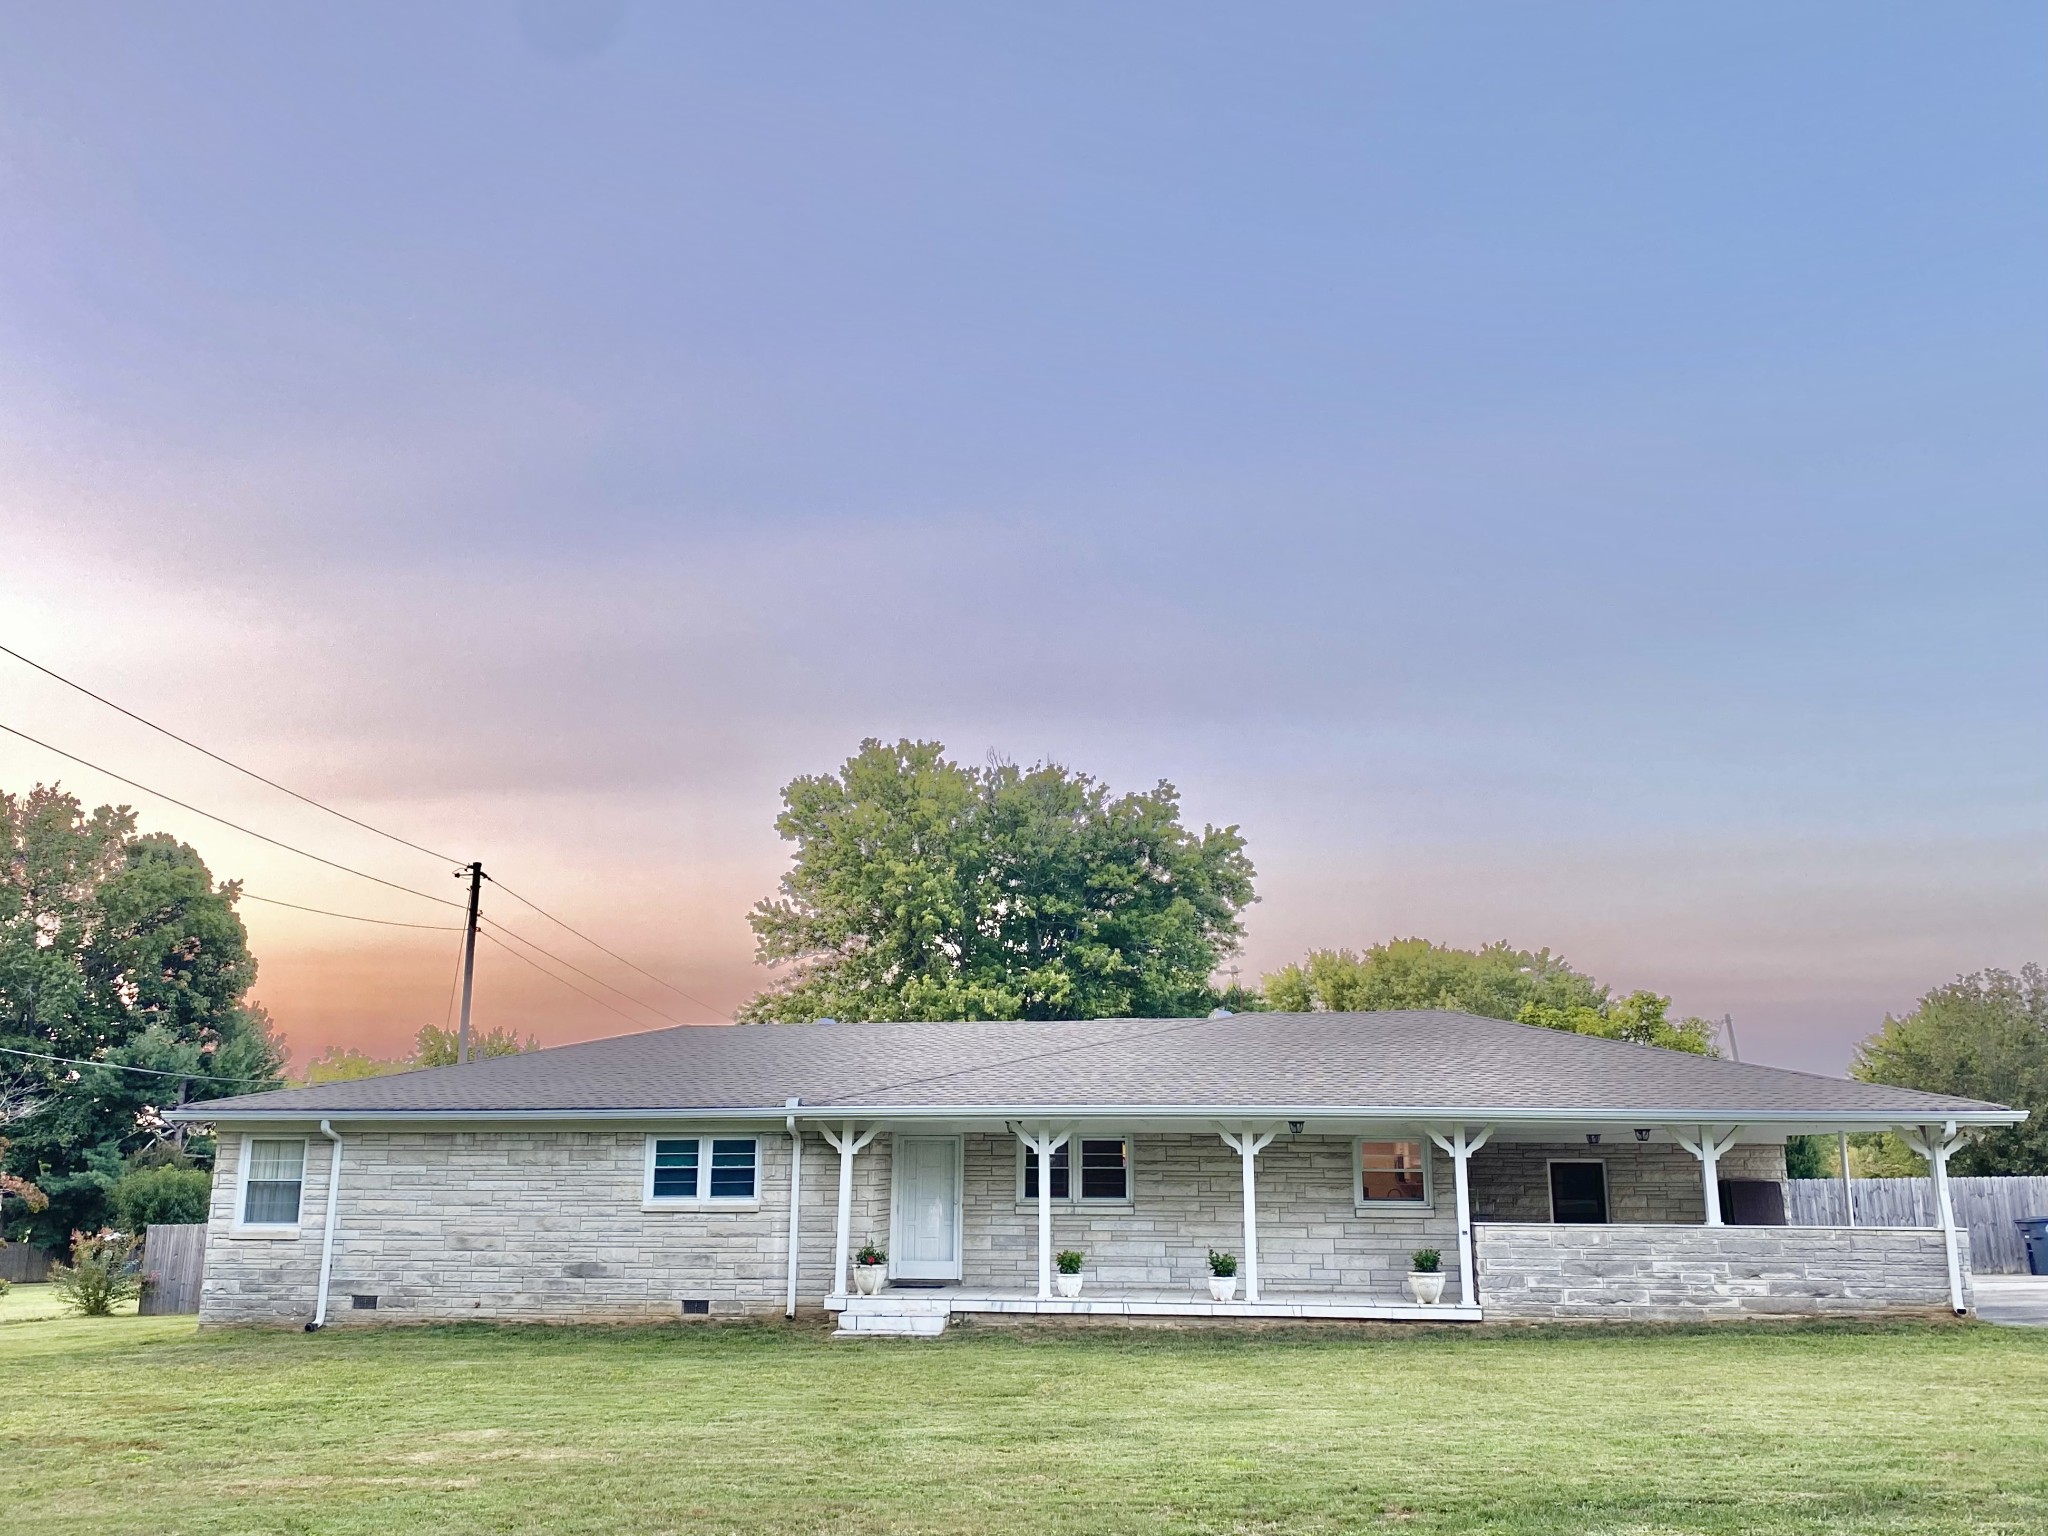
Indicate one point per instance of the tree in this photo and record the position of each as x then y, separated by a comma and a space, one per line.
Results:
1982, 1036
922, 889
433, 1046
1497, 981
165, 1193
116, 948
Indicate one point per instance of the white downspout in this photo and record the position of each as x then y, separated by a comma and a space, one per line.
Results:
796, 1205
327, 1231
1848, 1187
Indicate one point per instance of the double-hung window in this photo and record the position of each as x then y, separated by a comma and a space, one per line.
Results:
273, 1175
1105, 1166
1393, 1175
702, 1170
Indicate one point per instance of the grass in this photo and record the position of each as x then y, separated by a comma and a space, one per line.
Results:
38, 1304
144, 1425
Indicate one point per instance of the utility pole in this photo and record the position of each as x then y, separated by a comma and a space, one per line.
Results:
1727, 1019
475, 874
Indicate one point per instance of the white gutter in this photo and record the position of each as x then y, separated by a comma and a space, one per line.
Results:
327, 1233
1873, 1119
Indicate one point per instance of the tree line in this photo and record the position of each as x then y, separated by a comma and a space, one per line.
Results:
919, 888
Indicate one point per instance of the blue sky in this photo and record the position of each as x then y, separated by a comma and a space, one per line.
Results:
1567, 473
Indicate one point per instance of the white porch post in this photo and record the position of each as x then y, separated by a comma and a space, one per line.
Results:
1248, 1144
1848, 1188
1708, 1150
796, 1204
1936, 1143
847, 1144
1460, 1144
1041, 1145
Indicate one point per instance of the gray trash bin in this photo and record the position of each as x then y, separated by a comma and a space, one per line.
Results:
2034, 1233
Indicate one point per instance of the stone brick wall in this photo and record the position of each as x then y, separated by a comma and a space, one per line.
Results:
1676, 1274
1188, 1197
532, 1225
1646, 1182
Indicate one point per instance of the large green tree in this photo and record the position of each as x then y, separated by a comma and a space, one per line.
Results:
115, 947
1497, 981
923, 888
1983, 1036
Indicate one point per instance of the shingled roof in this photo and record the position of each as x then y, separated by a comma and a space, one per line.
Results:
1410, 1062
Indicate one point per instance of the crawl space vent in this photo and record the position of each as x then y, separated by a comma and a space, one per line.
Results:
696, 1306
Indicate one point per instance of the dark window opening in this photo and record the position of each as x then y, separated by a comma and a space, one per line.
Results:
1105, 1170
1059, 1173
1578, 1193
696, 1306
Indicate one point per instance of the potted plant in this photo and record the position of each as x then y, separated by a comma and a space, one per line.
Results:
1068, 1263
1425, 1276
870, 1268
1222, 1275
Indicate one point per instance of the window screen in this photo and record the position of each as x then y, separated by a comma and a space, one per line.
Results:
1105, 1170
732, 1169
1390, 1171
271, 1187
675, 1170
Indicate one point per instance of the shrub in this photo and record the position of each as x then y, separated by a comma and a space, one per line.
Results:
1069, 1261
1427, 1261
143, 1197
104, 1272
870, 1255
1222, 1265
6, 1285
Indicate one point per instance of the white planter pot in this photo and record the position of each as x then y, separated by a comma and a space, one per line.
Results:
1222, 1287
867, 1278
1426, 1288
1070, 1285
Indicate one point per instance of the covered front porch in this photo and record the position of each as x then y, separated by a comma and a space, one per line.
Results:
1322, 1213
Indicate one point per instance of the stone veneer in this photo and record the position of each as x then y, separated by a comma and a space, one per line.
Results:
1675, 1274
547, 1224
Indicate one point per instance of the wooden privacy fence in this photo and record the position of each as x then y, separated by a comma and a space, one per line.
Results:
1989, 1207
173, 1260
25, 1264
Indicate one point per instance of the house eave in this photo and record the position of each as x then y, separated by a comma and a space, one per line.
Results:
1492, 1114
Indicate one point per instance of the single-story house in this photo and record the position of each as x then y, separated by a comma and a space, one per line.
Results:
737, 1170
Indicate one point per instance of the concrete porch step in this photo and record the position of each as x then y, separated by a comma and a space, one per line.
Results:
914, 1317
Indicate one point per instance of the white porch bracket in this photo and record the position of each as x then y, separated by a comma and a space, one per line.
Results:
846, 1143
1248, 1142
1041, 1142
1460, 1143
1708, 1148
1937, 1143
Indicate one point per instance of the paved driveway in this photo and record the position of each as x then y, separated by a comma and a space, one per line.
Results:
2018, 1300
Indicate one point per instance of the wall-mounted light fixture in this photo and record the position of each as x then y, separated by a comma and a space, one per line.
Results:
1592, 1138
1294, 1127
1642, 1133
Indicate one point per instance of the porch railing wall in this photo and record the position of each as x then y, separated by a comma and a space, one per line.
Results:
1988, 1207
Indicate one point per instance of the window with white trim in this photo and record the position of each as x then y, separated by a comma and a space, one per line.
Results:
1392, 1175
1105, 1171
273, 1177
702, 1170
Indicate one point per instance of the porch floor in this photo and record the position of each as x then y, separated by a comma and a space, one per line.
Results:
1163, 1301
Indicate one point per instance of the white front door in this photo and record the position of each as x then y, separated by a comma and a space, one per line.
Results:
924, 1224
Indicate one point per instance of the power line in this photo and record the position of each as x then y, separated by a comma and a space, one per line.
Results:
227, 762
586, 938
586, 975
636, 1023
234, 825
354, 917
115, 1066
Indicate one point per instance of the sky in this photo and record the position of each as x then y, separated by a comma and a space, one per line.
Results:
1570, 474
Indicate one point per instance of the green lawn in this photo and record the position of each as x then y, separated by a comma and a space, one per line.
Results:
143, 1425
